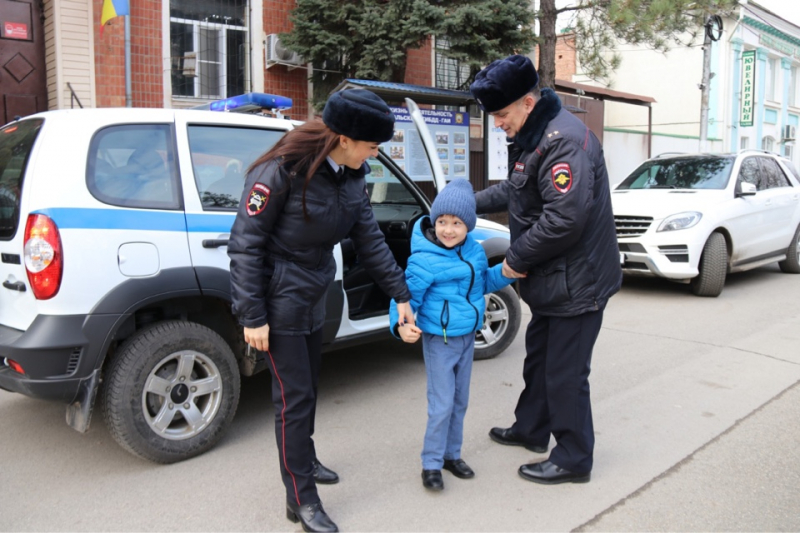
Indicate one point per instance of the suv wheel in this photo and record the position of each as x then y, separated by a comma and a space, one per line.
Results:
501, 322
791, 264
171, 391
713, 267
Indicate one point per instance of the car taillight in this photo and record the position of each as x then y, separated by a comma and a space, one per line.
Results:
43, 256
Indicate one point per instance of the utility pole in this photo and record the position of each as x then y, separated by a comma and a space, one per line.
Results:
712, 32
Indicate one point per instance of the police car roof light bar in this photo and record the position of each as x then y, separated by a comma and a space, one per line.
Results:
248, 103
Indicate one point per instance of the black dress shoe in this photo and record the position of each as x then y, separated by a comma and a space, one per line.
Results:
549, 474
432, 479
509, 437
324, 475
311, 516
459, 468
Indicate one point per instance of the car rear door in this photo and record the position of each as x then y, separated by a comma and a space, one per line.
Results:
216, 149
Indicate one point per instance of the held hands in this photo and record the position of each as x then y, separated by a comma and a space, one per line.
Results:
511, 273
408, 331
258, 338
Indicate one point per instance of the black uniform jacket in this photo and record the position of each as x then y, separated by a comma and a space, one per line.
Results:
559, 210
282, 262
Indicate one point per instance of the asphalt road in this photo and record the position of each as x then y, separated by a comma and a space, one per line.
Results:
697, 413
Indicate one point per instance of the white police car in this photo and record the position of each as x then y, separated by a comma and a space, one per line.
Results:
113, 233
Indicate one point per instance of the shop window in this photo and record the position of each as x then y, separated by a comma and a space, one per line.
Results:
209, 45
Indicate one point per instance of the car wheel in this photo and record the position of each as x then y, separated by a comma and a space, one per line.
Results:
713, 267
171, 391
501, 322
791, 264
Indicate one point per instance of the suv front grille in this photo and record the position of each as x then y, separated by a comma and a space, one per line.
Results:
631, 226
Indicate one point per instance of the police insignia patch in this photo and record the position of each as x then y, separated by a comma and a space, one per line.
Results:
257, 199
562, 177
519, 167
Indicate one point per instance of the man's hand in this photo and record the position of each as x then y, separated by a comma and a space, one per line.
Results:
511, 273
258, 338
409, 333
406, 314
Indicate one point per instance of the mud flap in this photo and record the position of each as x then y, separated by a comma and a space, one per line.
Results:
79, 412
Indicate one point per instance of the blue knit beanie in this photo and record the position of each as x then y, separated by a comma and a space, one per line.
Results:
503, 82
359, 114
458, 199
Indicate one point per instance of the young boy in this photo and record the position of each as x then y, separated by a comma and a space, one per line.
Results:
447, 274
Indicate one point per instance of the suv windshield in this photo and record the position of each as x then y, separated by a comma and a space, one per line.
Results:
697, 172
16, 141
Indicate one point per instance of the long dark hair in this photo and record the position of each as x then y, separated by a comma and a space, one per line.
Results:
304, 149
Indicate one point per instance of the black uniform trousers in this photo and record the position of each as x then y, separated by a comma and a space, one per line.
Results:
556, 395
294, 362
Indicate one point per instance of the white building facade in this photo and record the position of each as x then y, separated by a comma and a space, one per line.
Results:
754, 98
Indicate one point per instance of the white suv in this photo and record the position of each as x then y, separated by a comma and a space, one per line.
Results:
113, 232
694, 218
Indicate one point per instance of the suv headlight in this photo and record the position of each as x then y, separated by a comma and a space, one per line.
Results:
680, 221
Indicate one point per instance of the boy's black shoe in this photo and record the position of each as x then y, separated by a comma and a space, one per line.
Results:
458, 468
509, 437
311, 516
432, 479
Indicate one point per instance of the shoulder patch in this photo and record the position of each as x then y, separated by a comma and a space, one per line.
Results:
257, 199
562, 177
519, 166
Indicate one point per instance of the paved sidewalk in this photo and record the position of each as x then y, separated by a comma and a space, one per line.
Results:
746, 479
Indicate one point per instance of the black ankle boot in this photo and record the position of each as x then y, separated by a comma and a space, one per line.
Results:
311, 516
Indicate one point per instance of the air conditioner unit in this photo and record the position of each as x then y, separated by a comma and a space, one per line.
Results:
789, 133
277, 54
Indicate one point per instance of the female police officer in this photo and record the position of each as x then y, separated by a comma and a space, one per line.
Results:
301, 198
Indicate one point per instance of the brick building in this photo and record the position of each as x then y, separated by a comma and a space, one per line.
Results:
53, 54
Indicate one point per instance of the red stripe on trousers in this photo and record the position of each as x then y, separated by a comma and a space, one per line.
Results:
283, 428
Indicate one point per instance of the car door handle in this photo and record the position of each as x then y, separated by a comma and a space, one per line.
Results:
15, 286
215, 243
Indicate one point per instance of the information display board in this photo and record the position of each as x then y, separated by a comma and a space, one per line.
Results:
450, 131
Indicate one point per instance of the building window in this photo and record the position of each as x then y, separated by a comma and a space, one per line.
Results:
744, 142
452, 74
771, 73
788, 150
209, 48
768, 144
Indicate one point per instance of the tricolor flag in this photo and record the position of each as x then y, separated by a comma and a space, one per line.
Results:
112, 9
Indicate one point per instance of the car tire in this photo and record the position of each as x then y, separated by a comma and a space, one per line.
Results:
501, 322
171, 391
713, 267
791, 265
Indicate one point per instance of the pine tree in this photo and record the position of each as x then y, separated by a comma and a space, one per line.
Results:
370, 39
599, 24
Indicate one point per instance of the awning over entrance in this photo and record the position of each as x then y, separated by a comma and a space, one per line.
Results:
419, 93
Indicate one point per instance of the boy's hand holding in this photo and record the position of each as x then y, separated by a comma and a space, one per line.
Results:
409, 333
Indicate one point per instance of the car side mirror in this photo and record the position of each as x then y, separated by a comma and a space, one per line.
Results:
746, 189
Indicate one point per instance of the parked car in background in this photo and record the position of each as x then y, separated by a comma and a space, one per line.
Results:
694, 218
114, 226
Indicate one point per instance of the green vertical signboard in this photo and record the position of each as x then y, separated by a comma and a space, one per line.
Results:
748, 87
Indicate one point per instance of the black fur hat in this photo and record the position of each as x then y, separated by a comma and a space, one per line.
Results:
359, 114
504, 82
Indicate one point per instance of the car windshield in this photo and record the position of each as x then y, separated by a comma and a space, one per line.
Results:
698, 172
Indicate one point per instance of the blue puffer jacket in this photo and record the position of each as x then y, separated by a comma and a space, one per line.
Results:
447, 284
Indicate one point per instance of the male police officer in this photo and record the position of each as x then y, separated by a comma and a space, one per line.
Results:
564, 249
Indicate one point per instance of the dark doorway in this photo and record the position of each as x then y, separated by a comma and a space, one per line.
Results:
23, 74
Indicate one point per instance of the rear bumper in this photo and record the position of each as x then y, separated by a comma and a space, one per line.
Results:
57, 354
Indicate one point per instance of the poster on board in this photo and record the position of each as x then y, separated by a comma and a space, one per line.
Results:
450, 132
497, 152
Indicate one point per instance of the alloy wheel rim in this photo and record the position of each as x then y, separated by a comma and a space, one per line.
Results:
495, 322
182, 395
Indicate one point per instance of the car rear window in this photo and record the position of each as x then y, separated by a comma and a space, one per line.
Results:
221, 156
681, 173
133, 165
16, 142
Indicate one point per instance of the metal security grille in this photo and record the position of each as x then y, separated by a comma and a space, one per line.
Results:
209, 48
632, 226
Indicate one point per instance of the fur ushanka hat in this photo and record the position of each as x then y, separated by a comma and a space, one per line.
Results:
359, 114
504, 82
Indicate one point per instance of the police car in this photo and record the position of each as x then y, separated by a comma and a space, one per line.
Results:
113, 232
